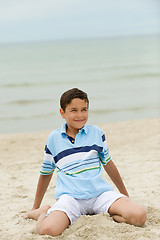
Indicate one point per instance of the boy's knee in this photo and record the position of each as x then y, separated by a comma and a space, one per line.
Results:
42, 230
142, 217
139, 218
47, 230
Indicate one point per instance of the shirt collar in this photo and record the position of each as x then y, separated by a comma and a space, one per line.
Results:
63, 129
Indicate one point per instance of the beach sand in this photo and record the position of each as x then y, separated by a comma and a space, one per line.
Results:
135, 149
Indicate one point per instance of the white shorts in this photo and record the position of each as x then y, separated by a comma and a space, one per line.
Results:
74, 208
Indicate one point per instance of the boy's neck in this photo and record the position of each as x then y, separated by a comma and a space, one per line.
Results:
71, 132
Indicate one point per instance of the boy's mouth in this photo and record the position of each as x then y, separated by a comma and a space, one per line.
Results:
79, 120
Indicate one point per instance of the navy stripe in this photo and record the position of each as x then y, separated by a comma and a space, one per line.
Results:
72, 164
47, 167
106, 151
103, 138
47, 150
77, 150
47, 163
79, 164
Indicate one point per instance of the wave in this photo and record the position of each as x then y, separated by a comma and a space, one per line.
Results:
141, 75
113, 75
30, 84
25, 84
94, 112
8, 118
134, 109
29, 102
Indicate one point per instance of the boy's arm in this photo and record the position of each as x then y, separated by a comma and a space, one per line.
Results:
113, 173
42, 186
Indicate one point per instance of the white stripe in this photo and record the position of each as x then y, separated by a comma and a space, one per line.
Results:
75, 157
48, 157
105, 145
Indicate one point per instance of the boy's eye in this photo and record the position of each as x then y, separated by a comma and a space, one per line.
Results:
75, 110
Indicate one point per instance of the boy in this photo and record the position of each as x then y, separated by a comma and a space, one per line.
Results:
78, 152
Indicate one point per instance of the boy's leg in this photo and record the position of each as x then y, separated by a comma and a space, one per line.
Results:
65, 211
53, 224
125, 210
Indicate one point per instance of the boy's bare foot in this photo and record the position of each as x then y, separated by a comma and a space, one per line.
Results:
35, 214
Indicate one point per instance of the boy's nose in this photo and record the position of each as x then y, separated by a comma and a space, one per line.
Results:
79, 114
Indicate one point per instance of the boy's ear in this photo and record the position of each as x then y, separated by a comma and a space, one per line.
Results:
62, 112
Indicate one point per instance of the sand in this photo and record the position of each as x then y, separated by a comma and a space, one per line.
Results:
135, 149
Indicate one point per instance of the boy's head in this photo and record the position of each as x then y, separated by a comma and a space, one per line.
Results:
74, 109
71, 94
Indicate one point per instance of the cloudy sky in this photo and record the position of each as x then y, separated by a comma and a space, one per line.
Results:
36, 20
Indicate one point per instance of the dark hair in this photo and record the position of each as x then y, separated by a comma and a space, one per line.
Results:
69, 95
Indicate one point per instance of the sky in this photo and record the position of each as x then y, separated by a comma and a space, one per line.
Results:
41, 20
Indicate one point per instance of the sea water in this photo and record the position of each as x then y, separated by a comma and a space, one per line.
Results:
120, 75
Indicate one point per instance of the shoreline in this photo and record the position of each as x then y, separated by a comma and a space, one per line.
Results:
134, 147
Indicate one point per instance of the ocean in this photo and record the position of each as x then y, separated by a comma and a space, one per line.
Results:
121, 76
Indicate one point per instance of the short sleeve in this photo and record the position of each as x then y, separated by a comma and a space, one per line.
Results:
48, 165
104, 155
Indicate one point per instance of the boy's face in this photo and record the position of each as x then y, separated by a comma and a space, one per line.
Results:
75, 114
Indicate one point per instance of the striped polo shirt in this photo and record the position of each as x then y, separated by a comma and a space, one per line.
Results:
78, 162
